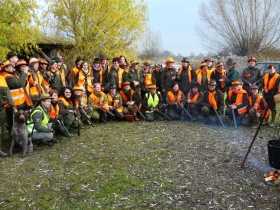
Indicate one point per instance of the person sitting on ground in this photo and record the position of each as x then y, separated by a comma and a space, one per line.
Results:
192, 101
237, 100
99, 103
38, 124
129, 98
83, 103
68, 107
115, 102
174, 98
210, 100
257, 106
153, 102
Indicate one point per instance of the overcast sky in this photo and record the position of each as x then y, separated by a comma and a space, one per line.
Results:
176, 21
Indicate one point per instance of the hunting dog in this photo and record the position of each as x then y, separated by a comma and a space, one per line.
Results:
19, 132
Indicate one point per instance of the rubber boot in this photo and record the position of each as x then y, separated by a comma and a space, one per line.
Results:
273, 115
135, 116
102, 117
2, 154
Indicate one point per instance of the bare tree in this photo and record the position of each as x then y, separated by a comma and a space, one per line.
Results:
151, 44
242, 26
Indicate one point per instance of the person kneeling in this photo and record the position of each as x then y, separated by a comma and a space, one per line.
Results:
115, 102
153, 102
38, 127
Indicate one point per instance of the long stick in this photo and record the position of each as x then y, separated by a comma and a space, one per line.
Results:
233, 117
157, 110
182, 107
261, 121
218, 116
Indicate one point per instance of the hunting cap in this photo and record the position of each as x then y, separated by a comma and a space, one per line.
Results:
44, 96
195, 84
21, 62
11, 54
230, 61
202, 64
57, 59
33, 60
208, 59
43, 61
152, 86
77, 87
169, 60
52, 62
252, 58
219, 64
112, 86
6, 63
236, 82
147, 62
126, 83
133, 63
254, 87
96, 60
185, 60
212, 82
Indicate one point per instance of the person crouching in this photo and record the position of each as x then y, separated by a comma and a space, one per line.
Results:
153, 102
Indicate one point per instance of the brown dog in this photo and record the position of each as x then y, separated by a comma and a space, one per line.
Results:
19, 132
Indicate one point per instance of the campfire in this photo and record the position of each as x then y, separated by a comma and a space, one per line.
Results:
273, 176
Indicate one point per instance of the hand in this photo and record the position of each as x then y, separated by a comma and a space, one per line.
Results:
173, 78
163, 90
35, 83
135, 83
258, 114
189, 101
71, 111
111, 107
102, 89
250, 85
221, 80
233, 106
15, 111
266, 91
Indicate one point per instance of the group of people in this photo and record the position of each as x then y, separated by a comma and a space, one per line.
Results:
60, 98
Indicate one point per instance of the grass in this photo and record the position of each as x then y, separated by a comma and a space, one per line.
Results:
143, 165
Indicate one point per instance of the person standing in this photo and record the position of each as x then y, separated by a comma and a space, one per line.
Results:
147, 77
185, 76
209, 61
71, 76
115, 75
203, 76
251, 75
232, 74
218, 74
158, 72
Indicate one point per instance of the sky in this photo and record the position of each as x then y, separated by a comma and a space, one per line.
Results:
176, 21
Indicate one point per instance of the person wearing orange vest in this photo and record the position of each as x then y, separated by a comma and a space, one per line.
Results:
203, 76
16, 84
192, 101
147, 77
185, 76
55, 117
35, 79
251, 75
152, 102
173, 98
12, 57
256, 108
209, 61
212, 99
217, 74
70, 77
123, 63
98, 101
97, 72
62, 70
43, 64
129, 99
270, 80
6, 101
68, 107
84, 78
115, 102
115, 75
237, 100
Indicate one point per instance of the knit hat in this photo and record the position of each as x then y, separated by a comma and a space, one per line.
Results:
219, 64
147, 62
195, 84
11, 54
133, 63
126, 83
96, 60
212, 82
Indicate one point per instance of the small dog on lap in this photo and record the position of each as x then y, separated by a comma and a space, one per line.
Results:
19, 132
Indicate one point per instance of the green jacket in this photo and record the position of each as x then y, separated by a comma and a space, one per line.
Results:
251, 75
232, 75
56, 81
130, 76
5, 95
219, 96
168, 77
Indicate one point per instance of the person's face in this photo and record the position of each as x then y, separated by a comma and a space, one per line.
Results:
43, 66
236, 87
104, 62
146, 66
97, 88
122, 60
229, 66
169, 65
54, 96
36, 66
204, 68
255, 92
219, 68
116, 64
209, 63
47, 102
10, 68
211, 87
252, 63
85, 66
156, 68
54, 66
13, 59
59, 64
127, 87
77, 92
135, 67
152, 90
96, 64
22, 67
185, 64
79, 63
194, 89
67, 93
113, 91
271, 70
175, 88
83, 92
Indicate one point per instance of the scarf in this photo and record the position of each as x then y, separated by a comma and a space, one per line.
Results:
212, 100
98, 68
85, 71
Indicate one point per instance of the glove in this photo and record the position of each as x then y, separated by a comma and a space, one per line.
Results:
173, 78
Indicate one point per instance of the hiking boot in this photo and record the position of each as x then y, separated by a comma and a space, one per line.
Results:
3, 154
136, 118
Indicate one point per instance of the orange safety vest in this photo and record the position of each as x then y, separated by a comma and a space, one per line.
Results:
100, 73
258, 102
120, 73
62, 74
199, 74
100, 100
223, 74
3, 83
195, 97
238, 101
81, 81
171, 96
19, 95
54, 112
270, 85
115, 102
124, 98
34, 89
189, 72
65, 102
